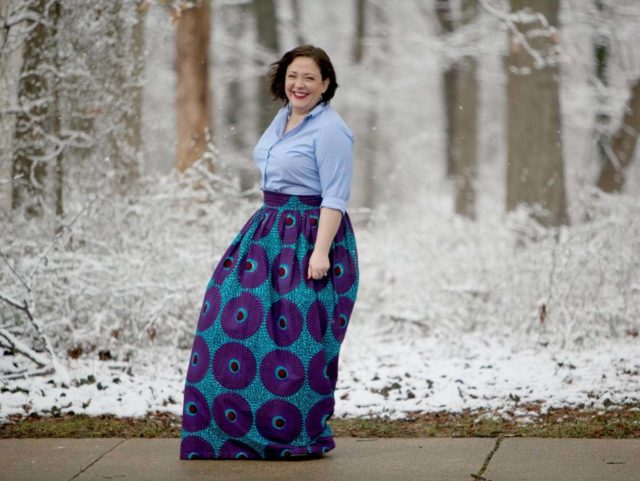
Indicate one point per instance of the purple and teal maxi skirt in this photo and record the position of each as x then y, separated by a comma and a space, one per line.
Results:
264, 363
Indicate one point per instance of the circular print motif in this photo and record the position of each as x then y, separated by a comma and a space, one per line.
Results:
275, 450
253, 267
199, 360
332, 371
242, 316
210, 308
195, 447
279, 421
341, 318
285, 322
317, 320
234, 365
285, 271
311, 226
318, 415
233, 414
282, 372
340, 233
343, 270
195, 415
289, 226
233, 448
267, 218
226, 264
318, 375
323, 444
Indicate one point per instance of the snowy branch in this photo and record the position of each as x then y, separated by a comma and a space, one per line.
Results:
17, 345
510, 19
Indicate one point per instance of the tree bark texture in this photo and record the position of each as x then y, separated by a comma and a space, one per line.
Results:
125, 141
460, 90
371, 155
297, 18
358, 43
193, 103
535, 169
601, 46
36, 152
133, 115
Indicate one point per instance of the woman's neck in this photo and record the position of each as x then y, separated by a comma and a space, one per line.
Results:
296, 116
293, 114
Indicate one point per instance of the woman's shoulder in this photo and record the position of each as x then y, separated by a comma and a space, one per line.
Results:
334, 122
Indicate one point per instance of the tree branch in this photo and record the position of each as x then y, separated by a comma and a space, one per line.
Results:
509, 19
18, 346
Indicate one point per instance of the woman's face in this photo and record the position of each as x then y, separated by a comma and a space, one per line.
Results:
303, 84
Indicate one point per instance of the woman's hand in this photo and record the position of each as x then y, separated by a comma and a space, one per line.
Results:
318, 265
327, 227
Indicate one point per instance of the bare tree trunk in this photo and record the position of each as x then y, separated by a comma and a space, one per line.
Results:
297, 18
535, 169
366, 161
460, 97
445, 18
601, 44
267, 26
193, 103
371, 115
620, 151
125, 141
58, 180
465, 137
133, 116
36, 150
358, 44
371, 152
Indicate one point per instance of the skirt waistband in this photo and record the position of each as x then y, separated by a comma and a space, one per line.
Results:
278, 199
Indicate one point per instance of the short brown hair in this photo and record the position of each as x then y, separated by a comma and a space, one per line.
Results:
278, 71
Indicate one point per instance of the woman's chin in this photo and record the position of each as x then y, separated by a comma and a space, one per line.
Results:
299, 104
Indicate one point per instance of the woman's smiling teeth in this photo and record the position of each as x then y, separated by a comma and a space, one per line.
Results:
300, 95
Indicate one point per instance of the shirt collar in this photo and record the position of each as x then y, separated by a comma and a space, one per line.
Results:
313, 112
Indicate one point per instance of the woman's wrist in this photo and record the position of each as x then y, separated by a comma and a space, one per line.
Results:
321, 250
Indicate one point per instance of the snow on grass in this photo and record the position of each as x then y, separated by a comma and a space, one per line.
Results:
378, 376
451, 314
381, 375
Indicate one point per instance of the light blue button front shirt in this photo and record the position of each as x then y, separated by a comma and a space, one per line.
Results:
314, 158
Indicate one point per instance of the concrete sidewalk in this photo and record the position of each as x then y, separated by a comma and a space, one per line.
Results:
353, 459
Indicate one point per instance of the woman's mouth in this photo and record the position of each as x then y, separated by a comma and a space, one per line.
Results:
300, 95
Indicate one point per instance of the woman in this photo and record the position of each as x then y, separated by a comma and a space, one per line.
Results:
263, 367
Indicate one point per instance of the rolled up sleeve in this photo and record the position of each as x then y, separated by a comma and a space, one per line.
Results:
334, 156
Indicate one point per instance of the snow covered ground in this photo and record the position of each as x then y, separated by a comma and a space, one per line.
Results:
451, 314
380, 374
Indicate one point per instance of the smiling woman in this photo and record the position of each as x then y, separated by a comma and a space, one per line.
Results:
304, 86
264, 364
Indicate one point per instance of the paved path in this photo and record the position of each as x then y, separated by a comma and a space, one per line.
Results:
353, 459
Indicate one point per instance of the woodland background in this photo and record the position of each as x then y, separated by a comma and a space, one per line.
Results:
496, 188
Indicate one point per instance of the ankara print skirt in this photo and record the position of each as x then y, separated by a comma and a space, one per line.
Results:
264, 364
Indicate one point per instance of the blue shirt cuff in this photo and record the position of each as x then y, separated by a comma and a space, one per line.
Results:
334, 203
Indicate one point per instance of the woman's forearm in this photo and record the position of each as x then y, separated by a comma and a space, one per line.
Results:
327, 227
